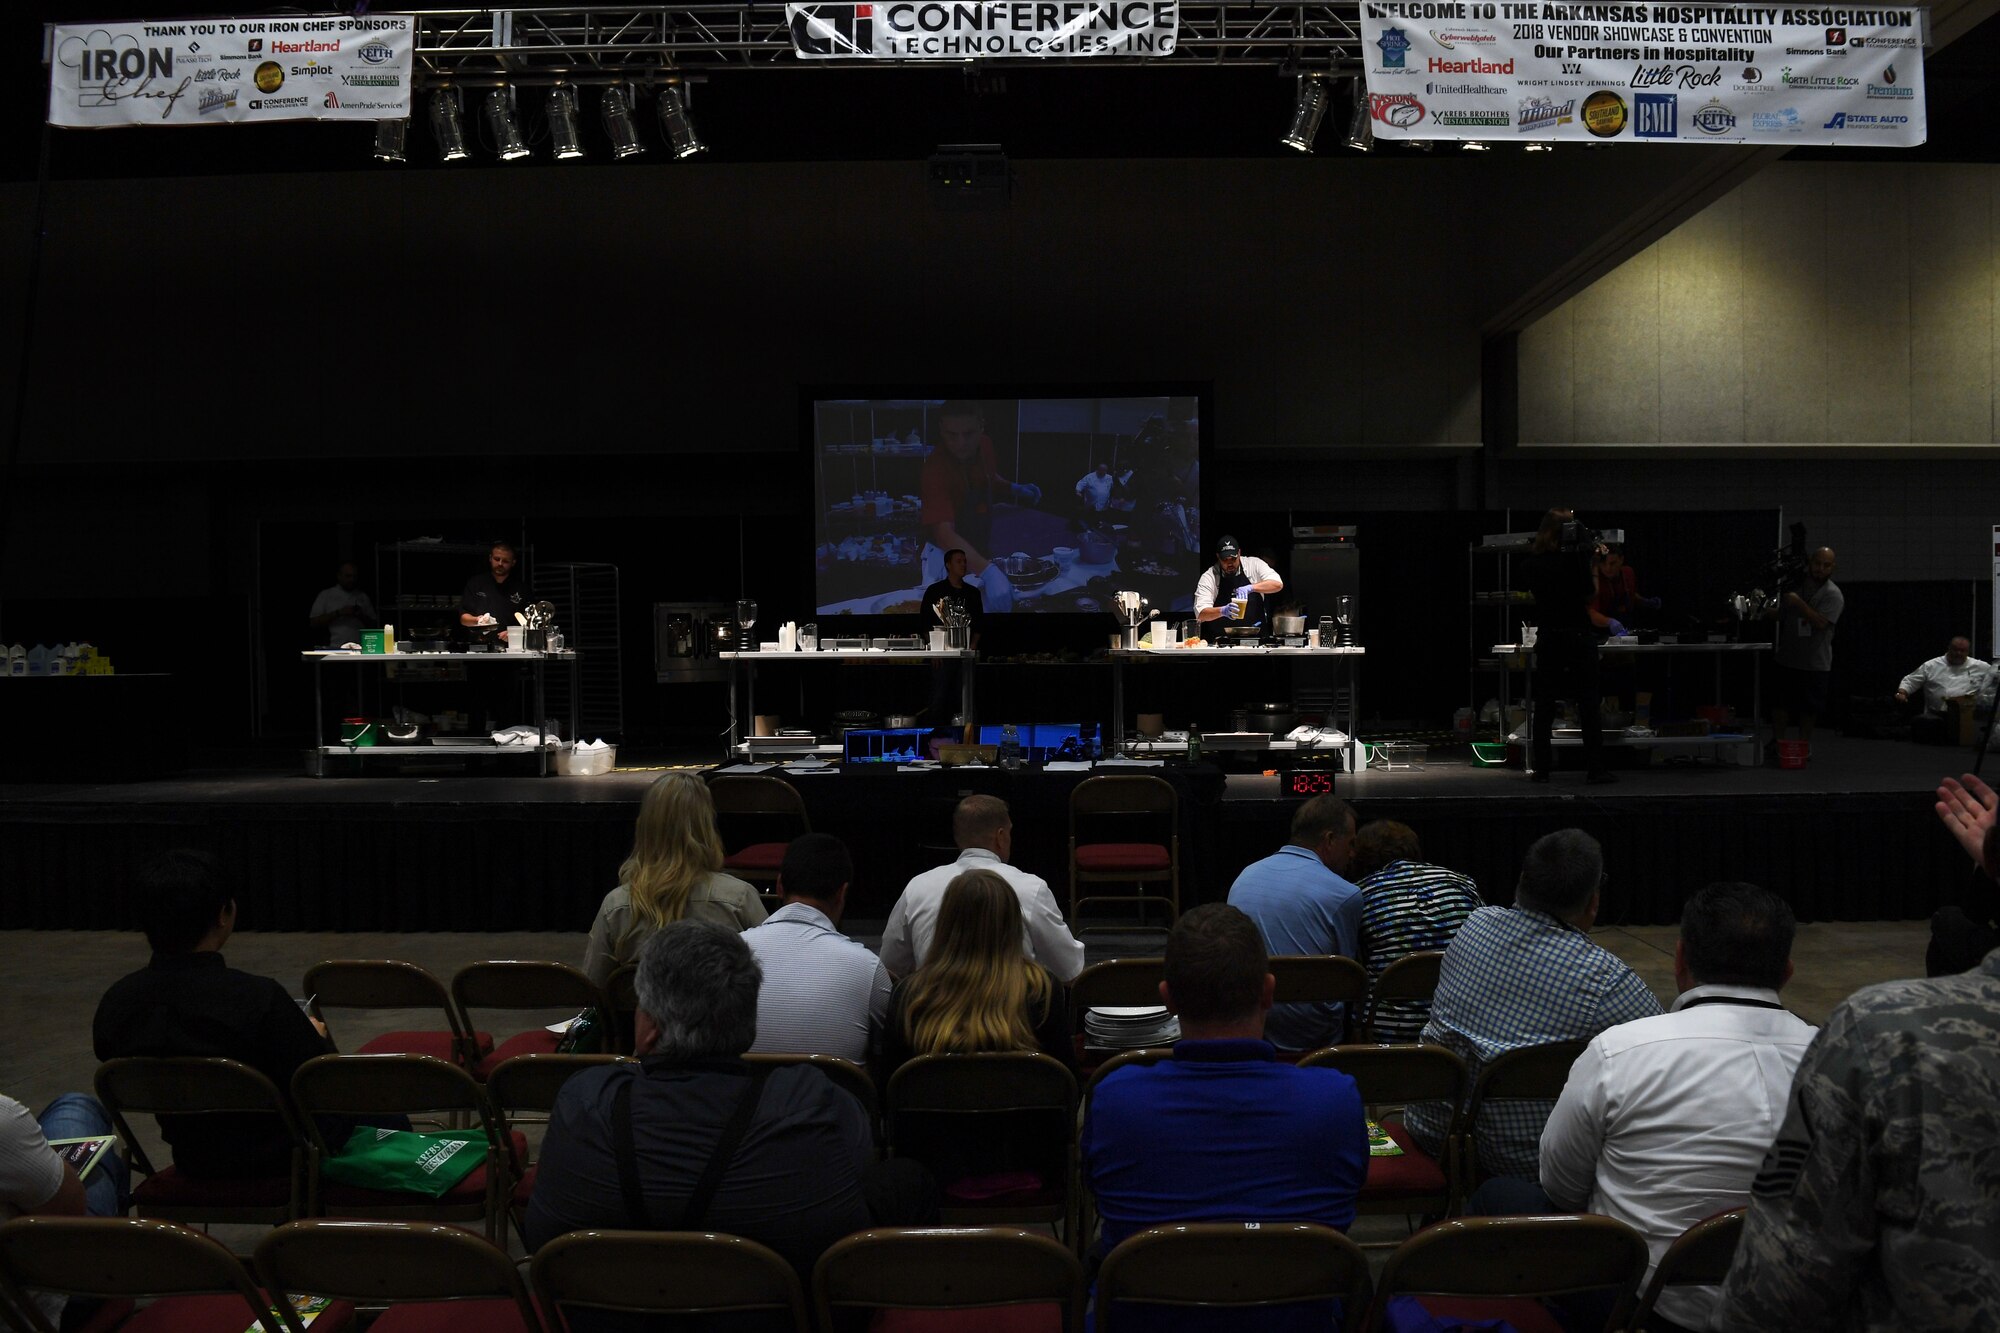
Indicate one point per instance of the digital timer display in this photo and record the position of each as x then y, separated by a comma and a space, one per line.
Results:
1309, 783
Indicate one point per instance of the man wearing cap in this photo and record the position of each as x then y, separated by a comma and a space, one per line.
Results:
1234, 575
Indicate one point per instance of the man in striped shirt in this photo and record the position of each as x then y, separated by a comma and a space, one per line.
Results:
823, 993
1407, 906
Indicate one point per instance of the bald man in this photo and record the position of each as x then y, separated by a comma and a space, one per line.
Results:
1806, 620
1956, 675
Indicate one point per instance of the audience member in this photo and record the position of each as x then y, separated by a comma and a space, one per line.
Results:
1301, 905
637, 1146
984, 832
1407, 906
1223, 1130
1523, 976
1961, 936
1934, 684
35, 1180
187, 1001
1664, 1120
823, 993
674, 871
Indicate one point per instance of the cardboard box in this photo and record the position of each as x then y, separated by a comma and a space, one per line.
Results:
1958, 724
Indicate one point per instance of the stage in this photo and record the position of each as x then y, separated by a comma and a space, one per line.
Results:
1851, 837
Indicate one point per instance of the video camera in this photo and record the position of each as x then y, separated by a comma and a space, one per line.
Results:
1784, 571
1577, 536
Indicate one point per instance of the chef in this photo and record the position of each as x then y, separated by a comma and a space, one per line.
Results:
1956, 675
1233, 576
498, 593
960, 484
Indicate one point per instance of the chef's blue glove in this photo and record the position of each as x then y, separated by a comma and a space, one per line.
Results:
1614, 629
1231, 611
1027, 493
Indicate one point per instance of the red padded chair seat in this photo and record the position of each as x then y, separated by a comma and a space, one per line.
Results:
524, 1188
170, 1187
493, 1316
1413, 1175
1002, 1319
1521, 1312
1107, 856
539, 1041
334, 1195
435, 1044
220, 1314
757, 856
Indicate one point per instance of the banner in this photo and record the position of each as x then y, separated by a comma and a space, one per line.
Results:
1014, 29
1528, 70
214, 71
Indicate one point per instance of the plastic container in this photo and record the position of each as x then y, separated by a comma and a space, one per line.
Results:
1792, 754
1010, 746
371, 641
574, 763
358, 732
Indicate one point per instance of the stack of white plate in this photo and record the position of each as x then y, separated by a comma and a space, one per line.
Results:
1126, 1029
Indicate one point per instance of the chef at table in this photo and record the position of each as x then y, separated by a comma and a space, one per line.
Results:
1232, 576
960, 484
498, 593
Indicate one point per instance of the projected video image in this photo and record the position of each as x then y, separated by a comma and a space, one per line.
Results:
1057, 502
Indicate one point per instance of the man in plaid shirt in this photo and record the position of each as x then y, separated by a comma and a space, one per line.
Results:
1522, 976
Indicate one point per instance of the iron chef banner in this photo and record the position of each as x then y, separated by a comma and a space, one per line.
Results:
214, 71
971, 29
1644, 73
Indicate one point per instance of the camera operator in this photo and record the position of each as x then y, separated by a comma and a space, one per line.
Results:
1806, 618
1559, 570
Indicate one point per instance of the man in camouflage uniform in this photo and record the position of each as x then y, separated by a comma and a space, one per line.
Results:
1878, 1206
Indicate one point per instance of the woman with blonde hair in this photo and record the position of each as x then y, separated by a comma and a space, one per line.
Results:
674, 873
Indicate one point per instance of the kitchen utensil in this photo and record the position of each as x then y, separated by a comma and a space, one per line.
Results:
1286, 624
1096, 549
1026, 572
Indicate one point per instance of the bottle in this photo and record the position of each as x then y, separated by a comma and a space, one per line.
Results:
1010, 746
38, 660
1194, 745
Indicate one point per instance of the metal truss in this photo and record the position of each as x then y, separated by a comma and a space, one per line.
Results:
642, 44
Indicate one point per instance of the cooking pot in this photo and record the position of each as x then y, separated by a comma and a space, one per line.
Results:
1026, 572
1288, 623
855, 719
1096, 548
901, 722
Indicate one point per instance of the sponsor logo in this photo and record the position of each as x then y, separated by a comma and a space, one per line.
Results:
1751, 74
1395, 45
1856, 120
331, 102
1836, 37
218, 75
1876, 43
834, 30
256, 45
1887, 90
214, 99
1472, 65
1604, 114
1456, 118
1805, 50
1714, 118
368, 104
194, 46
1655, 116
1466, 89
1786, 119
312, 69
270, 77
277, 103
1451, 40
1399, 109
372, 80
1816, 82
310, 46
376, 53
1673, 76
1544, 113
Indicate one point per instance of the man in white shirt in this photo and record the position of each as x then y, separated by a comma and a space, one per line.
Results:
823, 993
341, 611
984, 832
1956, 675
1094, 489
34, 1180
1666, 1120
1234, 575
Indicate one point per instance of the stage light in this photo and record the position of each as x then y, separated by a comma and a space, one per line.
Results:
392, 140
1308, 109
504, 125
1475, 146
616, 107
448, 124
1360, 127
676, 124
1540, 147
564, 132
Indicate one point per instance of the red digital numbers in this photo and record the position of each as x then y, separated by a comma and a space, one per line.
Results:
1311, 784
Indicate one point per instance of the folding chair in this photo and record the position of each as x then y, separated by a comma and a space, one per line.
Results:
1022, 1280
1116, 983
1231, 1265
664, 1272
518, 984
1096, 802
1528, 1073
199, 1286
849, 1077
1086, 1202
969, 1095
202, 1086
1411, 979
530, 1083
1414, 1184
434, 1278
1504, 1267
387, 983
1699, 1257
1321, 979
403, 1085
766, 805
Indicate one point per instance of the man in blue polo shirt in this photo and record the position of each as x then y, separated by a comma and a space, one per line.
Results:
1224, 1131
1302, 904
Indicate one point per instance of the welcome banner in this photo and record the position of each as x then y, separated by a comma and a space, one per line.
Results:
1643, 73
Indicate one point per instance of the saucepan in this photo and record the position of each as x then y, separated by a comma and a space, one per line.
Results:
1026, 571
1287, 623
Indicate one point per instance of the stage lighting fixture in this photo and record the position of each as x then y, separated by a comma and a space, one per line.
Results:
564, 131
392, 140
1360, 127
448, 124
676, 124
1475, 146
619, 127
1540, 147
504, 125
1308, 109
